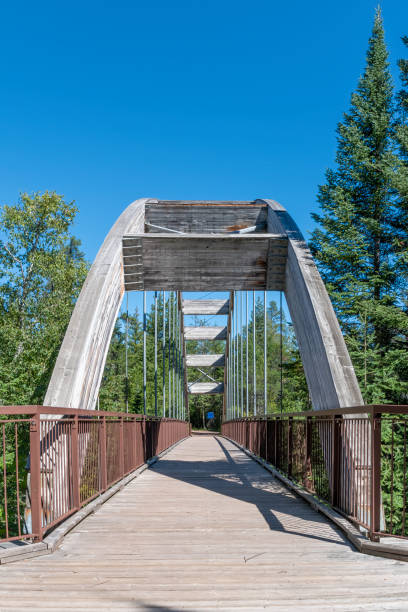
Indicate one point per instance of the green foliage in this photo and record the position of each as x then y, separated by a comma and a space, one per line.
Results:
360, 229
116, 389
41, 274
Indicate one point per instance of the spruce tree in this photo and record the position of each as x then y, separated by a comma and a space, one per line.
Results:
354, 244
401, 180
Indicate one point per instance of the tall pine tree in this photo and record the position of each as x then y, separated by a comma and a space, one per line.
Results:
355, 243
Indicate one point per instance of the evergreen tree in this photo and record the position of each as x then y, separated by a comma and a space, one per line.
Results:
355, 243
401, 182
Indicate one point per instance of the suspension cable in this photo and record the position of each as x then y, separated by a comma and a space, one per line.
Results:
169, 389
265, 356
126, 354
164, 353
254, 348
247, 356
155, 353
281, 351
144, 353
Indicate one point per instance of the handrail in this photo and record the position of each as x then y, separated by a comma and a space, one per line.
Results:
355, 459
367, 409
51, 466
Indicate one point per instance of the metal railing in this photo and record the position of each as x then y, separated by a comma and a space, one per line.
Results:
355, 459
53, 461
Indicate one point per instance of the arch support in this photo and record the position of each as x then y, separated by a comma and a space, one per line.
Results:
81, 360
329, 372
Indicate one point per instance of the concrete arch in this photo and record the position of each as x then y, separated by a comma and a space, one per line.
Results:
79, 367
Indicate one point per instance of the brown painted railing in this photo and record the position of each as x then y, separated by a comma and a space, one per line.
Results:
355, 459
55, 460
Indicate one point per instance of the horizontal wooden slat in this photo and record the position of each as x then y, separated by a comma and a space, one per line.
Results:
202, 217
209, 388
207, 285
205, 333
134, 239
202, 262
205, 361
205, 307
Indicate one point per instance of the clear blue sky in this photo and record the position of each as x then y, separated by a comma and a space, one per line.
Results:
106, 102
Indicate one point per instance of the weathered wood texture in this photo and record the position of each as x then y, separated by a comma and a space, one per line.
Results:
206, 528
201, 262
206, 388
205, 333
329, 372
79, 367
205, 217
205, 361
205, 307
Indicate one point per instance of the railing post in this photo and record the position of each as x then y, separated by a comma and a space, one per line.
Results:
75, 463
121, 448
35, 478
290, 446
307, 482
375, 518
275, 442
266, 439
102, 445
335, 461
144, 439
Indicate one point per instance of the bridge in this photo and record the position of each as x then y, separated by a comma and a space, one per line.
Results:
114, 509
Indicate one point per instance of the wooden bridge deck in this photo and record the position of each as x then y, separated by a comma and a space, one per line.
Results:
205, 528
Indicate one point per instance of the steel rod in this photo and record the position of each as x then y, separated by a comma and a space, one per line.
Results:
265, 358
144, 353
247, 357
126, 353
173, 357
164, 353
281, 350
169, 356
242, 357
155, 353
254, 349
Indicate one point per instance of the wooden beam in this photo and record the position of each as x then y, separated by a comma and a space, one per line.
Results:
206, 217
80, 363
329, 372
205, 333
205, 361
205, 307
201, 262
206, 388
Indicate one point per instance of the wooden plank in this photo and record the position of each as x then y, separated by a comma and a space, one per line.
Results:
204, 361
204, 285
205, 333
205, 307
204, 262
205, 217
206, 388
276, 264
132, 240
220, 533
